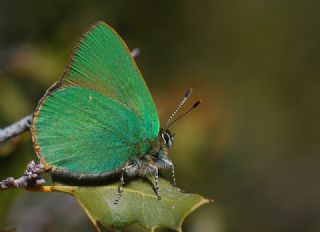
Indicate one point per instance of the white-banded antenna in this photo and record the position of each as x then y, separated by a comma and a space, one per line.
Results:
197, 103
184, 99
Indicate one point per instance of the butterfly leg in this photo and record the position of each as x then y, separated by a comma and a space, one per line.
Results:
156, 178
165, 163
129, 170
173, 176
120, 190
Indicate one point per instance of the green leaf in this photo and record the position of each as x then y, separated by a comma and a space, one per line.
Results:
139, 204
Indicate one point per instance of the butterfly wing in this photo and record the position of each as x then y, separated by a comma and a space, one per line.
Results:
101, 114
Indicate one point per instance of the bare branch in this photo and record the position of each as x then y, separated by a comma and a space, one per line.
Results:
31, 178
15, 129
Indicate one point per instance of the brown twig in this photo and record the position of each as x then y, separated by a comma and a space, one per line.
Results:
16, 128
135, 52
31, 178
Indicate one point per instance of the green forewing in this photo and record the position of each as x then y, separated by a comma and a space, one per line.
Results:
82, 136
102, 114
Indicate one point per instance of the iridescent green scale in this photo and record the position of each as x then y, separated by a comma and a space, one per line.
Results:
101, 114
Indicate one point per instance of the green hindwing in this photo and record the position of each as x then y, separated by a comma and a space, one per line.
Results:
101, 114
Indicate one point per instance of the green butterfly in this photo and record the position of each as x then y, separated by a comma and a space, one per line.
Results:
100, 119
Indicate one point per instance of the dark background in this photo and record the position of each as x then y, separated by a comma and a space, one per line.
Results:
253, 145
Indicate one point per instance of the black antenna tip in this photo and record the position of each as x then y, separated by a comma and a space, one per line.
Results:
196, 104
188, 93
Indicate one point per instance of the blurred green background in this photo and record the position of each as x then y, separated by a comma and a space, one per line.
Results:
253, 145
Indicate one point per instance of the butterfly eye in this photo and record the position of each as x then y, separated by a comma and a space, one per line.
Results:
167, 139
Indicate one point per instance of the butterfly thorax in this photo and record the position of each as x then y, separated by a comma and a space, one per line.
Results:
156, 158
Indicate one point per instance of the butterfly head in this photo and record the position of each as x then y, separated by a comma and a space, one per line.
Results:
167, 138
166, 135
